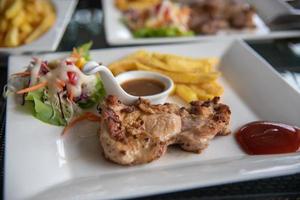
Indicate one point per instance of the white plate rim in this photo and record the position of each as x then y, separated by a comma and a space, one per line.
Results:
288, 167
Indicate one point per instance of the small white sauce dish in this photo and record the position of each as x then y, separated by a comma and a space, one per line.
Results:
112, 85
156, 98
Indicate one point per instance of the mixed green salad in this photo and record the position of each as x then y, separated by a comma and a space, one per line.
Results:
56, 91
166, 19
161, 32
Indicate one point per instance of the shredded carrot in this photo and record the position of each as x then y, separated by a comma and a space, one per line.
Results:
60, 84
70, 95
75, 53
86, 116
22, 74
32, 88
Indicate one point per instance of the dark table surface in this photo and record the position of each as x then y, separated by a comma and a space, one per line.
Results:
87, 24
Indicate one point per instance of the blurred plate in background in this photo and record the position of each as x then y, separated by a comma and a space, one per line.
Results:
49, 40
118, 34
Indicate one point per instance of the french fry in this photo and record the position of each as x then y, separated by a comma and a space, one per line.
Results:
121, 4
40, 6
19, 19
174, 63
212, 88
31, 18
26, 28
135, 4
201, 94
1, 38
3, 25
173, 92
12, 37
43, 27
123, 66
45, 8
29, 7
184, 64
126, 64
213, 61
153, 62
3, 4
186, 93
137, 54
191, 78
14, 9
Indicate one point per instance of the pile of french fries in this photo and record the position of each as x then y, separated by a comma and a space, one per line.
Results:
23, 21
195, 79
135, 4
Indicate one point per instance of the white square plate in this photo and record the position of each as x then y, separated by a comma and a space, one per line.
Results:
50, 40
118, 34
41, 165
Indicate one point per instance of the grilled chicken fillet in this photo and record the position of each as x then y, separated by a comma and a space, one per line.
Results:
141, 133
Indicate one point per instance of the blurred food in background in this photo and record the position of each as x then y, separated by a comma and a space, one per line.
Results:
23, 21
195, 79
210, 16
166, 18
135, 4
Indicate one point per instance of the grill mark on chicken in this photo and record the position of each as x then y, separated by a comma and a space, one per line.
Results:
114, 124
146, 107
141, 133
128, 109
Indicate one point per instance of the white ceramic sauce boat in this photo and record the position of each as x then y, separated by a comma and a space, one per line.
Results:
112, 84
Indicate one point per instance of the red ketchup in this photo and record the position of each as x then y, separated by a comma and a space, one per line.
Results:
264, 137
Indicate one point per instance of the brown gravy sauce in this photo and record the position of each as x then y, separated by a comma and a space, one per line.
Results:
143, 87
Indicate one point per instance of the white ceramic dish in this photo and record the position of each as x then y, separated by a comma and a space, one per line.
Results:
112, 85
50, 40
41, 165
118, 34
156, 98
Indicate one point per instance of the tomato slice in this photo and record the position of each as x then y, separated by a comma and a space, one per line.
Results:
69, 62
73, 78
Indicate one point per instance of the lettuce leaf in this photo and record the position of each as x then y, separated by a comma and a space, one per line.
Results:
96, 96
84, 50
42, 111
35, 101
160, 32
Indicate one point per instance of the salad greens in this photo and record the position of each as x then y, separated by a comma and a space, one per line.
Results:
84, 50
165, 19
43, 111
160, 32
95, 97
59, 90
